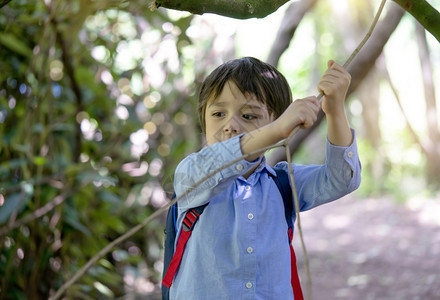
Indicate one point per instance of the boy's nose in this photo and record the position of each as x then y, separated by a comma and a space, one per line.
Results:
232, 126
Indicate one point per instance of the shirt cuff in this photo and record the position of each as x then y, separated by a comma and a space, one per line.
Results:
339, 157
240, 167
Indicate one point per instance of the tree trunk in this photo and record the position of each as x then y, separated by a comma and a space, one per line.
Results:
358, 69
432, 145
368, 93
292, 18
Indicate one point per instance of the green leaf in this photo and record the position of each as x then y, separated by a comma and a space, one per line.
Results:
38, 128
11, 204
12, 164
109, 197
63, 127
87, 177
103, 289
13, 43
73, 220
40, 160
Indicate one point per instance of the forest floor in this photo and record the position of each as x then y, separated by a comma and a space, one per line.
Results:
370, 249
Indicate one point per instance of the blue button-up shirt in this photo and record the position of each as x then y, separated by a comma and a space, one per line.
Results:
239, 247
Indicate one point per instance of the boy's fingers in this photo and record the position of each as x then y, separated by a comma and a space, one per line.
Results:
314, 101
324, 86
337, 70
330, 63
309, 120
311, 101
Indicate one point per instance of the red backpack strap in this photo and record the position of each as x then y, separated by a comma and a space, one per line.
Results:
191, 217
294, 278
283, 183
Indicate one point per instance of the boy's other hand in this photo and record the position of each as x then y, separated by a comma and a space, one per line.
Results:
301, 112
334, 86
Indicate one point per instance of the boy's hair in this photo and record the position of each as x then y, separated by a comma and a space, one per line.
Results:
251, 76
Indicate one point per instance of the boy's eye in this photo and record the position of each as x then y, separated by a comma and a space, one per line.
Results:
249, 117
218, 114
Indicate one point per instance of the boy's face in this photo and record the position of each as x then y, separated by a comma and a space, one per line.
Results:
233, 113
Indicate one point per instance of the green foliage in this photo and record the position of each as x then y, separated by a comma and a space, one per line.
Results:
90, 132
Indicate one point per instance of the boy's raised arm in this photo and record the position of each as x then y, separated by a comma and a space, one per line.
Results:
303, 112
334, 86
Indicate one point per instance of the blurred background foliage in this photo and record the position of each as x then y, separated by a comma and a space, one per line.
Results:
97, 107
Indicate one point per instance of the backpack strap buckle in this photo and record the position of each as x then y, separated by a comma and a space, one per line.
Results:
191, 218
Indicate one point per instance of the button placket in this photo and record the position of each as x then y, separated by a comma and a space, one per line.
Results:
249, 209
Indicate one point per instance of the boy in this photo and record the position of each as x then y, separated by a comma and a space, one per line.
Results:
239, 247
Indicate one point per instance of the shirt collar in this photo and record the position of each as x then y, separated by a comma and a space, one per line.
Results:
254, 177
263, 165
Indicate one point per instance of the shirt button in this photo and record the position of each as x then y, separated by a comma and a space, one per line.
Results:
247, 188
239, 167
250, 216
249, 285
350, 154
250, 250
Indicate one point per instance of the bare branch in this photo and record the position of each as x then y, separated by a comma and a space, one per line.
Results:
36, 214
4, 2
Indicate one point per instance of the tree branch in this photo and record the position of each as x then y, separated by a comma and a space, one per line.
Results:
36, 214
4, 2
423, 12
239, 9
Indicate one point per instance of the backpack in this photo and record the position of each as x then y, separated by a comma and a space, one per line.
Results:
172, 258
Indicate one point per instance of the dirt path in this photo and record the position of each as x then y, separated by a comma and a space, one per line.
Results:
373, 249
369, 249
